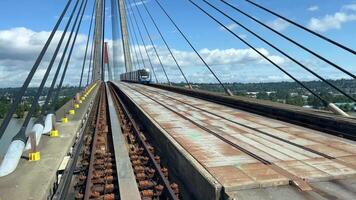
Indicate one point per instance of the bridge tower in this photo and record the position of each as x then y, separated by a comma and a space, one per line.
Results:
125, 36
98, 37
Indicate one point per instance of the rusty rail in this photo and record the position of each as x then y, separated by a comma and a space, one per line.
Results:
98, 161
152, 179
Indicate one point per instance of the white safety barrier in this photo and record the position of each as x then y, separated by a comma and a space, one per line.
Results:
38, 130
48, 124
12, 157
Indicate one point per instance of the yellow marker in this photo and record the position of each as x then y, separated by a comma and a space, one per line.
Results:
54, 133
65, 120
76, 105
80, 101
34, 156
72, 112
83, 98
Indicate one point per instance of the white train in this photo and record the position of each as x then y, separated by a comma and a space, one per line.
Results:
139, 76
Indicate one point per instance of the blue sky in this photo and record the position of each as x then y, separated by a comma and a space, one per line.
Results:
335, 19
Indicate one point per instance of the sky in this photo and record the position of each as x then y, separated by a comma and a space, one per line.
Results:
25, 26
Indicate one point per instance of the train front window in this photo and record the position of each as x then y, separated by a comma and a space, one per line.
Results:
144, 73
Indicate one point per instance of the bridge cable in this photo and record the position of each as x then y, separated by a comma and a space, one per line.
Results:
55, 100
133, 47
154, 47
86, 47
302, 27
91, 57
102, 42
21, 135
55, 54
278, 49
34, 105
25, 85
264, 56
290, 40
227, 91
51, 91
143, 42
166, 44
131, 27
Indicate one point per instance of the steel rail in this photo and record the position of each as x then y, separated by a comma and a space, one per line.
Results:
295, 180
164, 179
66, 178
244, 125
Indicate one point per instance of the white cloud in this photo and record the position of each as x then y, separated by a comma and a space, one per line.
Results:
231, 26
330, 21
138, 3
349, 7
19, 47
334, 21
313, 8
278, 24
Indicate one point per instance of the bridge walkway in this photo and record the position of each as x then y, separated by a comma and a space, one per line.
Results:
37, 179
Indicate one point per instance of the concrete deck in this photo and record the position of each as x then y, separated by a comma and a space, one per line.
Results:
35, 180
198, 129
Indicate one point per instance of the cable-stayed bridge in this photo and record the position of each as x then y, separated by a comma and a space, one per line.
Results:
133, 133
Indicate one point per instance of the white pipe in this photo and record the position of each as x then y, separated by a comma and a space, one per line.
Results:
38, 130
48, 124
333, 108
12, 157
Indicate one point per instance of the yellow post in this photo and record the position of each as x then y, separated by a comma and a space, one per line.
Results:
65, 120
72, 112
54, 133
34, 156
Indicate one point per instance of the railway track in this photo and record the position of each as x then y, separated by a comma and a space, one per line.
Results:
98, 179
152, 177
243, 147
98, 175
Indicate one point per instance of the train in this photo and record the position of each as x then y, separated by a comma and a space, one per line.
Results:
142, 76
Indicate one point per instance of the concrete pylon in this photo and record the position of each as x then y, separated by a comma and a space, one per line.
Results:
125, 36
98, 46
